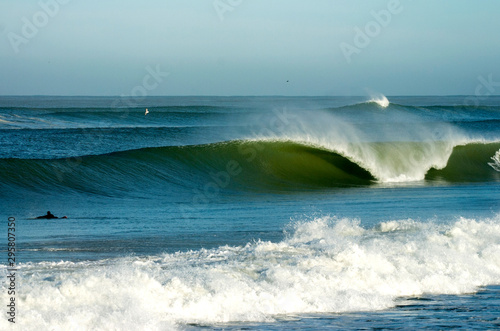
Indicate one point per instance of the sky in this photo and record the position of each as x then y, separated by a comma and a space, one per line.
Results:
249, 47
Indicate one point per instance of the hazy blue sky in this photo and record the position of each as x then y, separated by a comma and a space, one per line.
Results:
247, 47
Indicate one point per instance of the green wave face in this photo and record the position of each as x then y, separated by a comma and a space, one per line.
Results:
277, 164
251, 166
470, 163
256, 165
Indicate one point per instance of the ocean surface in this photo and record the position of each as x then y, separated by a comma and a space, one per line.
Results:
274, 213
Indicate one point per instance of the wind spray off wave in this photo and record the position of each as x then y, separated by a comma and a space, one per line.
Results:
381, 100
396, 144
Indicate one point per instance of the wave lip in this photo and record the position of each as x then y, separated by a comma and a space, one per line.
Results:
380, 100
325, 265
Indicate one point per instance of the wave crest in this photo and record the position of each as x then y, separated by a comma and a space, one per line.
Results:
380, 100
253, 165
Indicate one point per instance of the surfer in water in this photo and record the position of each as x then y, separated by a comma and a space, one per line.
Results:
49, 216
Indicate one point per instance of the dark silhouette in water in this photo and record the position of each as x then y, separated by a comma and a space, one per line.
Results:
49, 216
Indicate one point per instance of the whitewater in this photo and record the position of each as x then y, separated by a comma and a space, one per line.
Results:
252, 212
325, 265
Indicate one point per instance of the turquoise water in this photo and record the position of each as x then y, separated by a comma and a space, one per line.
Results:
253, 212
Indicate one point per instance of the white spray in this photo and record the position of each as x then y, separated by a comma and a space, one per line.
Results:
496, 161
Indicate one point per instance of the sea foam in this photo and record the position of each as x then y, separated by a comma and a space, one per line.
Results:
324, 265
496, 161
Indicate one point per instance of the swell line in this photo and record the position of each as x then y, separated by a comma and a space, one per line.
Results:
242, 165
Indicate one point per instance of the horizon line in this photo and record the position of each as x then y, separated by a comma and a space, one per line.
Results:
241, 96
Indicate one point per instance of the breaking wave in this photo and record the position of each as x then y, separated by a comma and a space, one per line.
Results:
324, 265
257, 165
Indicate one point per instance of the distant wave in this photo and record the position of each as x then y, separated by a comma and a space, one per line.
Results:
458, 111
380, 100
256, 165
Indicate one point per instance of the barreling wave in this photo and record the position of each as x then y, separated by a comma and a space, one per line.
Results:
255, 165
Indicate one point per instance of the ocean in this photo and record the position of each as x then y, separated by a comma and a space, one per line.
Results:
254, 213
